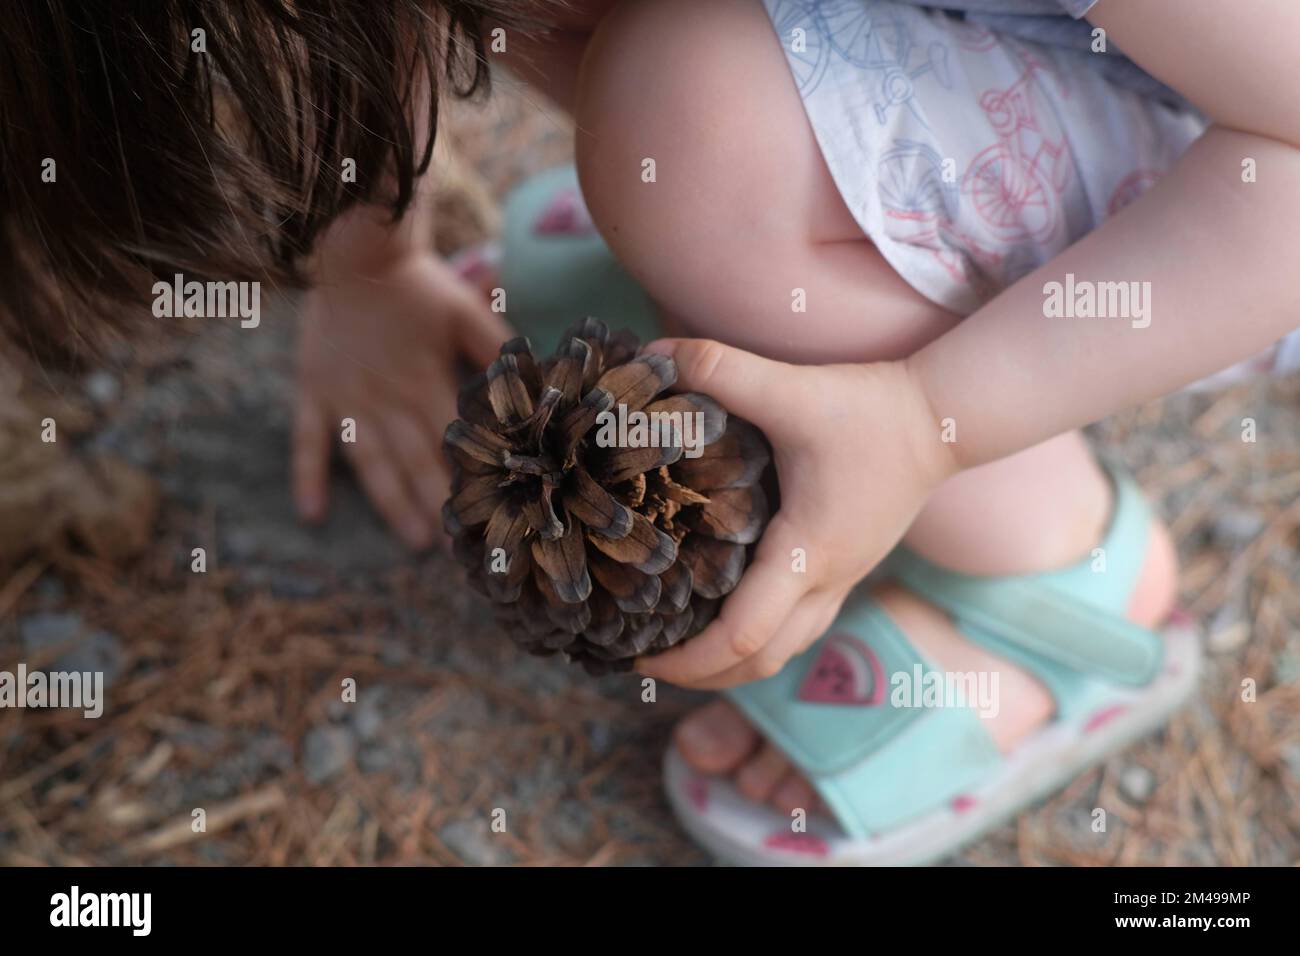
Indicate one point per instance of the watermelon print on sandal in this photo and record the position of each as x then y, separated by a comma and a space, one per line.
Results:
846, 671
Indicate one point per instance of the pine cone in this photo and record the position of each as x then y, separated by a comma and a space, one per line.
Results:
601, 552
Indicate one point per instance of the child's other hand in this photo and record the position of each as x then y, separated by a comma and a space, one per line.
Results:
382, 350
857, 452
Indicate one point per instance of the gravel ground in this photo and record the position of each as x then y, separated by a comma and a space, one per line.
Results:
226, 688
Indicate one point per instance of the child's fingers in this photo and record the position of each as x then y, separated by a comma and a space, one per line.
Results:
809, 621
436, 413
311, 447
413, 447
376, 469
751, 616
743, 382
481, 332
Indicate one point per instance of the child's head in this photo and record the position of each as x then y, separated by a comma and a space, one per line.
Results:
206, 137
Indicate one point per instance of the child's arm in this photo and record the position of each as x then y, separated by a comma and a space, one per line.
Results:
859, 448
1219, 253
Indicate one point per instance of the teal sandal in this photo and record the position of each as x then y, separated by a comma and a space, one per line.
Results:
897, 749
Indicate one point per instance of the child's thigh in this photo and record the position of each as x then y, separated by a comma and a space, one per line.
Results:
704, 176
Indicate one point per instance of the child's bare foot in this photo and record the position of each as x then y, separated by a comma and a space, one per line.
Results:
716, 739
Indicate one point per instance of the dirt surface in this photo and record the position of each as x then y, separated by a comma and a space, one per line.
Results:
224, 687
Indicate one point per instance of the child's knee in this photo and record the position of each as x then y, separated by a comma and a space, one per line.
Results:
657, 170
628, 104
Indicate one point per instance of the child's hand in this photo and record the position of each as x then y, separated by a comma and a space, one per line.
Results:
382, 350
857, 452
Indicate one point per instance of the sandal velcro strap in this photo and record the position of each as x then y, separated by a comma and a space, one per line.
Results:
829, 707
835, 713
1072, 617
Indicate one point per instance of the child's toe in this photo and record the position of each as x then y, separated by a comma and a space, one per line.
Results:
794, 793
715, 739
763, 773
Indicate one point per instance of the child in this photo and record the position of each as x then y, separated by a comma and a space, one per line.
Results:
833, 185
881, 209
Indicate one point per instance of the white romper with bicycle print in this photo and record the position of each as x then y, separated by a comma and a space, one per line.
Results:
973, 145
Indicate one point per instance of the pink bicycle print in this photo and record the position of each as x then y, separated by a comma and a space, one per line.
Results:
1015, 185
921, 209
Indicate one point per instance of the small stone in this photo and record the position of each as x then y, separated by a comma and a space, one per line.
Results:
368, 720
473, 842
394, 652
600, 737
374, 759
243, 543
326, 752
39, 631
101, 652
1229, 631
1237, 526
96, 651
1137, 783
102, 387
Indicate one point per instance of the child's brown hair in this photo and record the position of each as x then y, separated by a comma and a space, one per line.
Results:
215, 154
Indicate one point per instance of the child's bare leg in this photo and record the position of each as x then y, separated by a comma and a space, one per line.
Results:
743, 212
